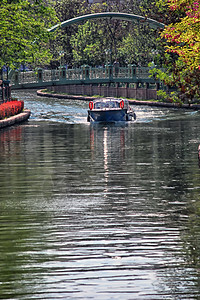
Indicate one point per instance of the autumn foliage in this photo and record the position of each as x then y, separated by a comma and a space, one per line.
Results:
183, 37
181, 40
11, 108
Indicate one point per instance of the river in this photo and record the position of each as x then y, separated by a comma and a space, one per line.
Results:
99, 211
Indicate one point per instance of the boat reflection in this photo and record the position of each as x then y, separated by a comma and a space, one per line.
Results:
107, 144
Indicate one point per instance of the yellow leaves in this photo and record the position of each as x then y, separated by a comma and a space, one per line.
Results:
183, 37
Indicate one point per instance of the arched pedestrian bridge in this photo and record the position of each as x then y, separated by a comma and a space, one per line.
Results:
87, 75
110, 15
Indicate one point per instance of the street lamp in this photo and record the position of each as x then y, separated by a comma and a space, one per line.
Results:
61, 53
108, 51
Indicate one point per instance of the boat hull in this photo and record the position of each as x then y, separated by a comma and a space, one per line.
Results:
109, 116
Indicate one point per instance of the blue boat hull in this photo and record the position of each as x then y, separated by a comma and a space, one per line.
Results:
108, 116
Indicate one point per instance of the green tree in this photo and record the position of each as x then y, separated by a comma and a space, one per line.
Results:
65, 10
105, 34
87, 45
23, 32
139, 47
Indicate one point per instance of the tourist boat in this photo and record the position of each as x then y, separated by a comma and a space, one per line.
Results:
110, 110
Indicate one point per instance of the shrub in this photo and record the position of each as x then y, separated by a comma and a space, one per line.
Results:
11, 108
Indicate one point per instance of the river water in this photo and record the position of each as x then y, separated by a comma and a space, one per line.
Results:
98, 211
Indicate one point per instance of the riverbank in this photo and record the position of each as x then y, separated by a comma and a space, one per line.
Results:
43, 93
21, 117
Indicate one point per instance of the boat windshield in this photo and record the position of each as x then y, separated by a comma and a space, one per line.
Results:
106, 104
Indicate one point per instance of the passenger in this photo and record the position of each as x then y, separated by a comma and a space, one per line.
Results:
97, 105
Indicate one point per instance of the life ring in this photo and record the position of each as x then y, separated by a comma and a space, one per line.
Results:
91, 105
121, 104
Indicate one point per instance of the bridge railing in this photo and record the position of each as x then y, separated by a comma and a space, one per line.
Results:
121, 73
50, 75
27, 77
97, 73
74, 74
142, 72
85, 74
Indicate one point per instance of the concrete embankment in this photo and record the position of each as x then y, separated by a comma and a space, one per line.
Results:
15, 119
133, 102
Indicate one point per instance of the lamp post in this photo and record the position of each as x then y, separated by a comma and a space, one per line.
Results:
61, 53
108, 53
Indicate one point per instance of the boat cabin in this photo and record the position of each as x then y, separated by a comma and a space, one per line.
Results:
110, 104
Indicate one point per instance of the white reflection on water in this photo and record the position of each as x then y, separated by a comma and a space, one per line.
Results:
105, 152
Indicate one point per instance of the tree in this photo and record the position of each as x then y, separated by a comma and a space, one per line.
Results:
181, 39
139, 46
115, 36
23, 32
65, 10
184, 36
87, 45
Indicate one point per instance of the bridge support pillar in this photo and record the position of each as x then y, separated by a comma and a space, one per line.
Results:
110, 68
146, 90
63, 73
83, 89
16, 78
99, 89
116, 89
157, 86
126, 89
40, 76
132, 71
86, 72
91, 89
109, 72
7, 90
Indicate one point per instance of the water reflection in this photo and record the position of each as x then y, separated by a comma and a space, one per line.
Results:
100, 212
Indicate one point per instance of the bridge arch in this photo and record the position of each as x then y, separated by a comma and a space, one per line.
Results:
109, 15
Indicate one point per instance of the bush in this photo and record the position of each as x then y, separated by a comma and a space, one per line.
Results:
11, 108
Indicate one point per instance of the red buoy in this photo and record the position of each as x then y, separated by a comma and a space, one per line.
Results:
91, 105
121, 104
